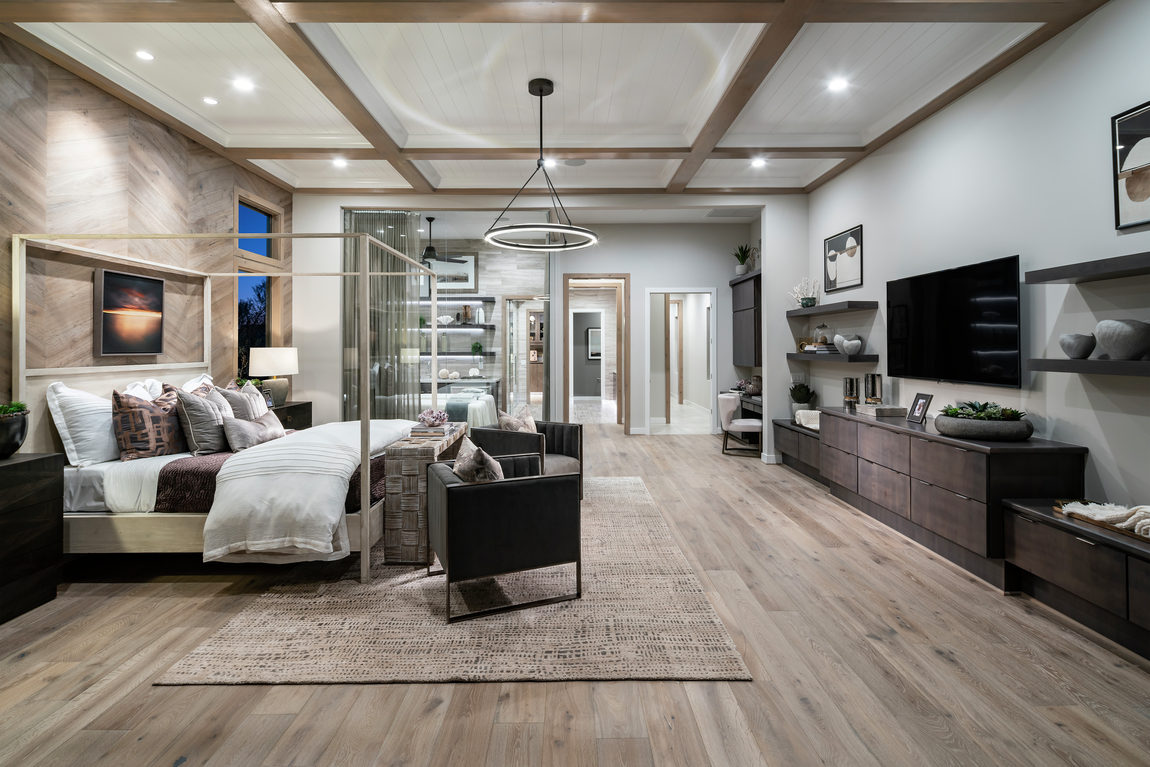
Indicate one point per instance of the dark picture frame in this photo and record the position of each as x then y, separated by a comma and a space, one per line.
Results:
916, 413
127, 314
269, 400
448, 274
843, 260
1130, 149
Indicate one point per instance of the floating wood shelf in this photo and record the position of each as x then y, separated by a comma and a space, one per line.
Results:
800, 357
1091, 367
835, 308
455, 298
427, 355
453, 326
1133, 265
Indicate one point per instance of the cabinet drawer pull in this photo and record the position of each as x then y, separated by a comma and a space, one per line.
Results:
923, 483
963, 497
920, 439
1024, 519
1091, 543
963, 449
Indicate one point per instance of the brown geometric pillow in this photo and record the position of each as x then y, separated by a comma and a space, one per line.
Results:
202, 390
144, 429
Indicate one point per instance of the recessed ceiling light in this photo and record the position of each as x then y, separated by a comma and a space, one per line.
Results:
144, 55
837, 84
210, 101
339, 162
758, 162
548, 163
243, 84
575, 163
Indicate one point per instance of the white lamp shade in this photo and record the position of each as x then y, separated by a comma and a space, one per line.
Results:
273, 361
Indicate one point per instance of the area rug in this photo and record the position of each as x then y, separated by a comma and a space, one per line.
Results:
643, 615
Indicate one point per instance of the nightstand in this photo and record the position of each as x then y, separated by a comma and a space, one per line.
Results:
294, 415
31, 531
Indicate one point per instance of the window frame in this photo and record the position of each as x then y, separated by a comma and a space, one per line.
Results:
276, 213
253, 263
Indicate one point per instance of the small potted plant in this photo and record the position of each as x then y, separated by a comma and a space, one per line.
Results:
983, 420
13, 428
477, 353
741, 254
802, 398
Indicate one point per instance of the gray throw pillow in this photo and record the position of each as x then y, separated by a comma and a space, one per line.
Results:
521, 421
244, 434
247, 403
472, 464
202, 419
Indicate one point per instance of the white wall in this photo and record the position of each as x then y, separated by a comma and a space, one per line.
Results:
658, 385
696, 386
1021, 165
682, 256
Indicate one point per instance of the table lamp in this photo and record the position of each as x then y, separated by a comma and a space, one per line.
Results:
274, 361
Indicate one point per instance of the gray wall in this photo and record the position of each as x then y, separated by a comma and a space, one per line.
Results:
585, 373
1021, 165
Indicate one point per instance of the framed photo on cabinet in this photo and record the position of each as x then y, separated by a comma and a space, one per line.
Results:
843, 260
1130, 139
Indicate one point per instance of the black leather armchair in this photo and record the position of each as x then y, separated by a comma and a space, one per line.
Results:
559, 444
485, 529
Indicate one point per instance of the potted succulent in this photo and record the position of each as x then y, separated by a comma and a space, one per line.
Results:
13, 427
802, 398
477, 353
741, 254
983, 420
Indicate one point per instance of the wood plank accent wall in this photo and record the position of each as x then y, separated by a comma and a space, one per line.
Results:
75, 159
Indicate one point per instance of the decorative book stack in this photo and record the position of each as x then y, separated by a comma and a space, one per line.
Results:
419, 430
817, 348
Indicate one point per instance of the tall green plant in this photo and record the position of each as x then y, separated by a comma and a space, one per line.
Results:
742, 253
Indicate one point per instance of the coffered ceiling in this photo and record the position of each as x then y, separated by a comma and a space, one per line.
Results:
650, 96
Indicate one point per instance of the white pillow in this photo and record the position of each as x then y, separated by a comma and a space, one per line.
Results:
199, 380
85, 425
148, 389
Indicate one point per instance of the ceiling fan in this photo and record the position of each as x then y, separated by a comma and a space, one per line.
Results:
429, 253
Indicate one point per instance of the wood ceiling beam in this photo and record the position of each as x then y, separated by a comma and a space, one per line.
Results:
559, 153
1043, 34
542, 192
120, 11
316, 69
940, 11
35, 44
769, 47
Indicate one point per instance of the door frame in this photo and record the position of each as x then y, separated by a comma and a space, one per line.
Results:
622, 343
647, 294
571, 332
678, 304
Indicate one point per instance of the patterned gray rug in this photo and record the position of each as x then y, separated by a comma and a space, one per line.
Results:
643, 615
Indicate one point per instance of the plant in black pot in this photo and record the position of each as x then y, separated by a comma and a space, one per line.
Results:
983, 420
802, 398
13, 428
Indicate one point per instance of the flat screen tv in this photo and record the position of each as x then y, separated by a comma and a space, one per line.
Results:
959, 325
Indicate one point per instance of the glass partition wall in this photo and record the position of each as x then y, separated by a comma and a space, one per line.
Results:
393, 314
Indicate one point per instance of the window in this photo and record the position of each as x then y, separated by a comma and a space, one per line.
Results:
251, 317
252, 221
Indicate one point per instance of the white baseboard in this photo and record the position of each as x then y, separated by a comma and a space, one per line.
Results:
654, 419
697, 406
768, 458
638, 430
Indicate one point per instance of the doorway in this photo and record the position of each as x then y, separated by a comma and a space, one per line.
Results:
680, 360
596, 349
526, 374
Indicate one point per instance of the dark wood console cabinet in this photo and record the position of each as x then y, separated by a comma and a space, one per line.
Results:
747, 321
31, 531
945, 493
799, 447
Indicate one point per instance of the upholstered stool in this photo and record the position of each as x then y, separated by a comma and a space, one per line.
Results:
728, 404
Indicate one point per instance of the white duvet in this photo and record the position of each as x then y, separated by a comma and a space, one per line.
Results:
283, 501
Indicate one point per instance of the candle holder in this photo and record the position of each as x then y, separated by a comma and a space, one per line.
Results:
850, 391
872, 388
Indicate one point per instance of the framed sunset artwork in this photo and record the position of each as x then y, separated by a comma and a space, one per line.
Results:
129, 315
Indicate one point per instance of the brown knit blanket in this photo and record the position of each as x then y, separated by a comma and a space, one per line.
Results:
188, 485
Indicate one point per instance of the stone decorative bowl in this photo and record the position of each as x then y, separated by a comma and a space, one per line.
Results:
13, 431
1077, 346
1124, 339
994, 431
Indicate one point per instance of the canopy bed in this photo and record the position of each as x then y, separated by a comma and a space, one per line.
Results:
152, 519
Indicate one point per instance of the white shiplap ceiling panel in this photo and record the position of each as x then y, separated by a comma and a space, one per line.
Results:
513, 173
324, 173
616, 84
892, 69
736, 173
194, 61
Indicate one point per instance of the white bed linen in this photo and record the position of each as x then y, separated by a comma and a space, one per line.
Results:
283, 501
133, 484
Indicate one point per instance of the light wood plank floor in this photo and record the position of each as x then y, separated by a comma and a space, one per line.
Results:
866, 650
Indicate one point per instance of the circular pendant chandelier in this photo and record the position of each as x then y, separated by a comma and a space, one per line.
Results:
558, 236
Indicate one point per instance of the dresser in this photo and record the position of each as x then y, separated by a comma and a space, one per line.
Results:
31, 531
747, 320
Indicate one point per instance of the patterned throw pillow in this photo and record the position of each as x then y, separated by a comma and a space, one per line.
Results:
147, 428
474, 465
203, 390
521, 421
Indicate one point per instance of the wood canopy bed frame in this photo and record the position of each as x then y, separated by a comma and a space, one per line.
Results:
130, 533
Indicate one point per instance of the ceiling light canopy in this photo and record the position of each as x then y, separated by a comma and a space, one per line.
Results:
758, 162
144, 55
558, 236
243, 84
210, 101
837, 84
339, 162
